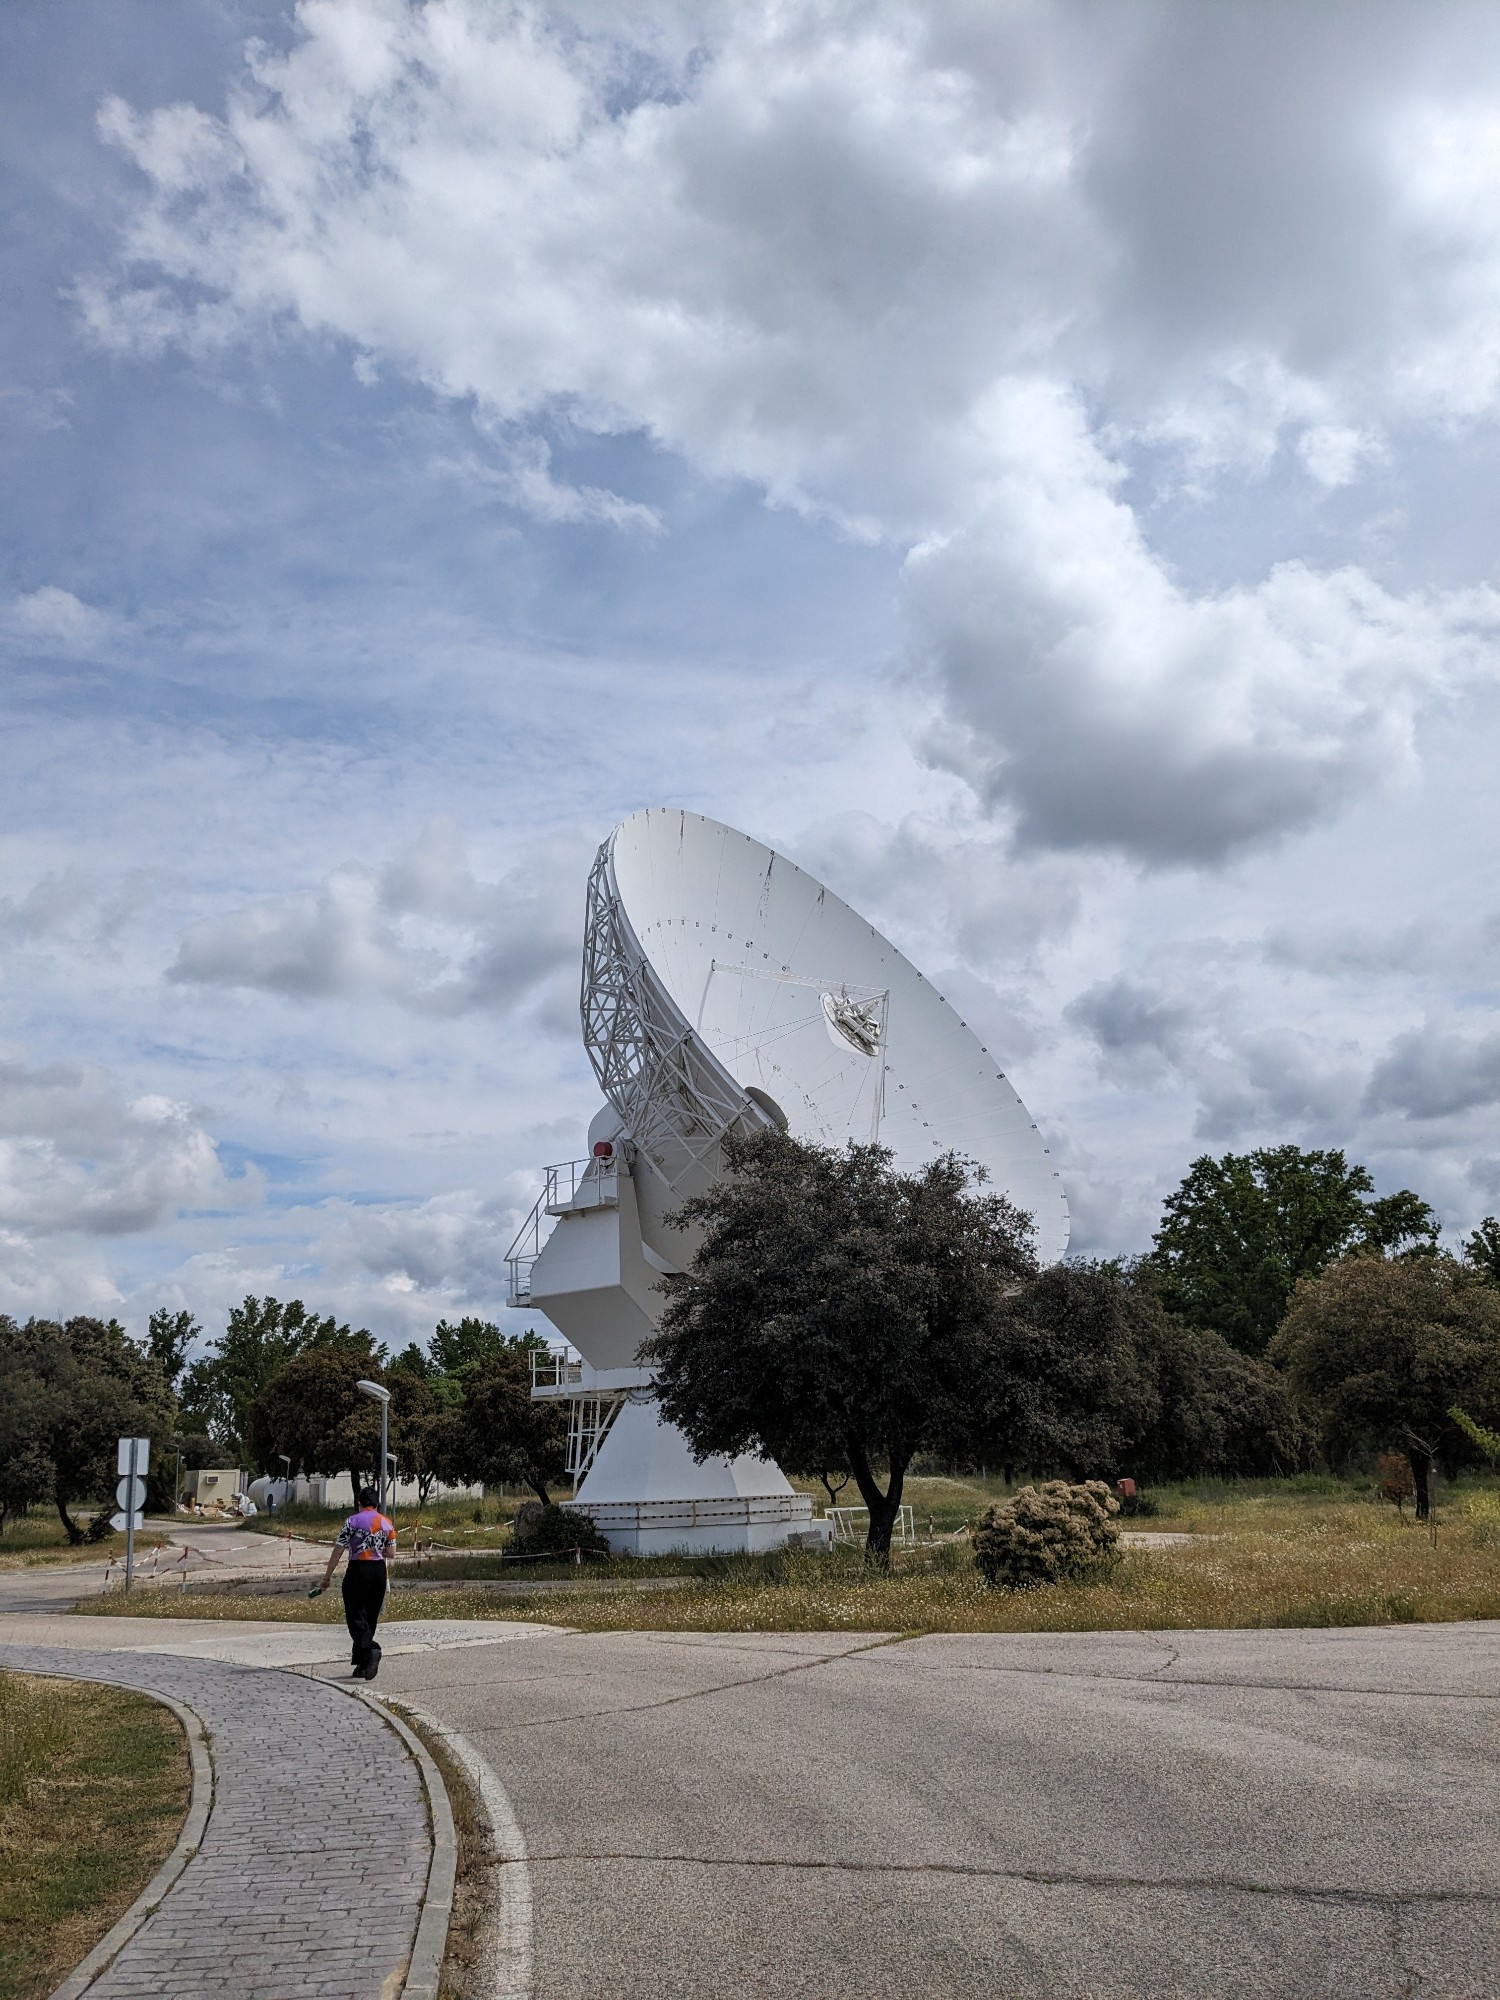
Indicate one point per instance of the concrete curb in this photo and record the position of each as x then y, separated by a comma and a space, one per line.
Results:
508, 1963
83, 1975
424, 1970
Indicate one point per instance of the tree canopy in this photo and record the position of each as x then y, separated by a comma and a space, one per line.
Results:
68, 1391
498, 1434
1092, 1375
1482, 1251
837, 1312
311, 1411
1240, 1231
1383, 1348
262, 1336
169, 1339
455, 1348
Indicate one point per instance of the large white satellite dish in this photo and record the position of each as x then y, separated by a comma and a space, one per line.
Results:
724, 989
815, 1016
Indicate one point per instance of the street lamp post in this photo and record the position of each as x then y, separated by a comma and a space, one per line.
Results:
383, 1397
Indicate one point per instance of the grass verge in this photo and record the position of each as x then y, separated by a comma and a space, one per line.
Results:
94, 1786
1278, 1556
466, 1926
37, 1538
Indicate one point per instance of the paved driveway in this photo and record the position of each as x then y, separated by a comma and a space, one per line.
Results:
205, 1552
1206, 1814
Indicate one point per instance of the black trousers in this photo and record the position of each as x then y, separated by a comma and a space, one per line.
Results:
364, 1593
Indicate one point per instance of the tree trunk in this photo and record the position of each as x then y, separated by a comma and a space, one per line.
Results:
1421, 1475
1009, 1472
74, 1532
539, 1488
885, 1508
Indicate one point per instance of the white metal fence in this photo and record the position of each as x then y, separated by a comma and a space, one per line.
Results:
852, 1524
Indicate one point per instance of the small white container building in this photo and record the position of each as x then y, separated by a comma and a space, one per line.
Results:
336, 1490
213, 1486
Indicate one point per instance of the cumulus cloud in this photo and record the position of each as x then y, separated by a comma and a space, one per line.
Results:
1437, 1072
423, 932
949, 889
1110, 707
57, 621
1135, 1027
394, 1266
78, 1155
70, 904
1247, 1070
935, 274
447, 1250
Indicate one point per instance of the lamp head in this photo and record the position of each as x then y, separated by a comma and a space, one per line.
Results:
374, 1389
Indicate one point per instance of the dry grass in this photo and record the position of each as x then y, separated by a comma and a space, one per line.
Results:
94, 1784
1272, 1555
39, 1538
456, 1525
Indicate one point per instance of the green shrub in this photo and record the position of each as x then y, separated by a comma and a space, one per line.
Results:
556, 1531
1048, 1534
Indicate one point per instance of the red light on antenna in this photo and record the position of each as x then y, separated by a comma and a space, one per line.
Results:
603, 1150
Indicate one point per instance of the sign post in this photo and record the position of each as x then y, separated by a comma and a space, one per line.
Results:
133, 1461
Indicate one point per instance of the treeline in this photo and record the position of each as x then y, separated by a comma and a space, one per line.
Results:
274, 1392
846, 1319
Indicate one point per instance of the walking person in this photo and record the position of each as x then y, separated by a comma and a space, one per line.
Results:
368, 1538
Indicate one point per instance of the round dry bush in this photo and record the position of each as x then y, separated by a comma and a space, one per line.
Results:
557, 1531
1048, 1534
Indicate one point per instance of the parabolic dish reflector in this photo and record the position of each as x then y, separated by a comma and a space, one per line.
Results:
724, 986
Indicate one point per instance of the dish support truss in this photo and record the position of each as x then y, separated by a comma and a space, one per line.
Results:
674, 1097
591, 1412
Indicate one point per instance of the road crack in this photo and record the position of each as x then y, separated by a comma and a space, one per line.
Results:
800, 1666
1391, 1900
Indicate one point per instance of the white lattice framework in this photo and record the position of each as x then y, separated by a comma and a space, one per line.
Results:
673, 1096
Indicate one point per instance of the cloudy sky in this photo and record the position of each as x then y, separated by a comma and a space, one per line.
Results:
1035, 464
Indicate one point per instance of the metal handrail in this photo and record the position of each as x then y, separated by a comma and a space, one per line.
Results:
550, 1370
846, 1527
587, 1183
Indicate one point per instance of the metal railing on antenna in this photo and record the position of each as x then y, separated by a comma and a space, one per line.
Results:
569, 1185
589, 1422
550, 1370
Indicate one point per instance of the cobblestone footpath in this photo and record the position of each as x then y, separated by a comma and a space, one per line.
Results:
310, 1878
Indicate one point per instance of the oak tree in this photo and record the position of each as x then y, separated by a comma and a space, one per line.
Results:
837, 1313
1240, 1231
1383, 1348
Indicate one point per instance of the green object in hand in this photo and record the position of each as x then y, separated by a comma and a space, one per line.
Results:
316, 1591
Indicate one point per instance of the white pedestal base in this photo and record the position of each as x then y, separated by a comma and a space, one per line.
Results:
648, 1495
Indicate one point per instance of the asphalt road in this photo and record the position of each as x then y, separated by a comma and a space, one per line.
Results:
1211, 1814
205, 1551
